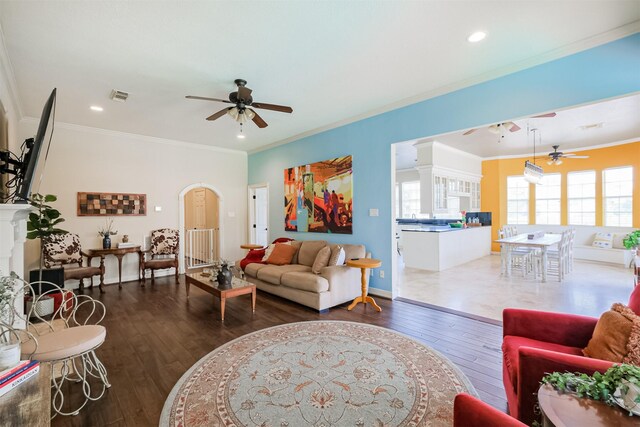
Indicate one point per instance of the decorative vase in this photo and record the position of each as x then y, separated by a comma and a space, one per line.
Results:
106, 242
224, 277
125, 238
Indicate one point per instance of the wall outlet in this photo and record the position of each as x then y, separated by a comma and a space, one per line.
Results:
382, 274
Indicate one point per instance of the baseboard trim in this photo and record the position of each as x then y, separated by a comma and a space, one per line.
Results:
451, 311
380, 293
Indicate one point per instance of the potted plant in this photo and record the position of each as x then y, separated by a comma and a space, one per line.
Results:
632, 241
106, 232
42, 223
619, 385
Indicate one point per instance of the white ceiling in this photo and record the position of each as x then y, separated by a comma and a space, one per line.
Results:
329, 60
620, 120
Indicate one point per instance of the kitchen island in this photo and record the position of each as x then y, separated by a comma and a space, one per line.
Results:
438, 248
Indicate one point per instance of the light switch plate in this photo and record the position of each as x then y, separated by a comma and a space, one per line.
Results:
373, 212
232, 214
158, 208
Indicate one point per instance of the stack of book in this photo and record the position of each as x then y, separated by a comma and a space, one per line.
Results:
126, 245
13, 377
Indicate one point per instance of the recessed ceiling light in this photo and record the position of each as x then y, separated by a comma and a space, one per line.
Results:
476, 37
96, 108
240, 136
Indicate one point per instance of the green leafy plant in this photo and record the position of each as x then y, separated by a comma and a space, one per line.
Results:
597, 386
42, 223
632, 240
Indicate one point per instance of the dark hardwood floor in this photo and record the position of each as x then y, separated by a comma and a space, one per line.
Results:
154, 334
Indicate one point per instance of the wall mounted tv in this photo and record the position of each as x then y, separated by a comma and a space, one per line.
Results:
27, 168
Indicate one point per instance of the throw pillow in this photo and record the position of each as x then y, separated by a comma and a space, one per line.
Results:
322, 259
342, 257
335, 254
281, 254
616, 337
603, 240
617, 240
267, 252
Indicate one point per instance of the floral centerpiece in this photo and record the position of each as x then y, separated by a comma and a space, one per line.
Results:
106, 232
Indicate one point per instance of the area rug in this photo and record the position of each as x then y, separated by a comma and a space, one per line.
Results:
321, 374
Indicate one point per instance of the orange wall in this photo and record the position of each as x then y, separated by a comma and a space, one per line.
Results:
495, 172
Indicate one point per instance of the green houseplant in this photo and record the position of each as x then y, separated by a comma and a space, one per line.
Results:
620, 385
42, 223
632, 240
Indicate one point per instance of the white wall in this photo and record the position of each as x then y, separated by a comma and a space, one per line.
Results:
87, 159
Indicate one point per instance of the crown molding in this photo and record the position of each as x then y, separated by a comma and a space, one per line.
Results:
570, 49
143, 138
10, 79
571, 150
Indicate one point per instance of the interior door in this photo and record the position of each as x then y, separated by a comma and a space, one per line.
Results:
261, 207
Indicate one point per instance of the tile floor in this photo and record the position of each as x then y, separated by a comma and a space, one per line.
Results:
478, 288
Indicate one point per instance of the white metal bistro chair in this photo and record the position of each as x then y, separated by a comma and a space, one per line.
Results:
67, 339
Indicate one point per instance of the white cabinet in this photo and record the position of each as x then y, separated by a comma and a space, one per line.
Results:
437, 185
440, 193
475, 196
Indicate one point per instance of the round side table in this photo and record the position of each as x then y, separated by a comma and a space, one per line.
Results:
363, 264
250, 246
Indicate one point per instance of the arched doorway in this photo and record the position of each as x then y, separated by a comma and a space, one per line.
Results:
200, 226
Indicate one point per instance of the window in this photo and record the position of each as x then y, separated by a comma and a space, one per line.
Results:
618, 196
581, 196
517, 200
548, 199
410, 193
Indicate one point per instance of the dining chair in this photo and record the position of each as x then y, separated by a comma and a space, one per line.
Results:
162, 254
67, 340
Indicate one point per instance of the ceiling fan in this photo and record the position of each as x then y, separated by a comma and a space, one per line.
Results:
555, 157
499, 128
243, 100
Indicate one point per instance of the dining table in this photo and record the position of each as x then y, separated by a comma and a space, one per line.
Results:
541, 241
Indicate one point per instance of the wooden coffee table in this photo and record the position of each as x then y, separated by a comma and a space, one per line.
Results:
565, 410
238, 287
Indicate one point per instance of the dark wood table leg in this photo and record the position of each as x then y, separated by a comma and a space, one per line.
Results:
187, 284
119, 269
253, 300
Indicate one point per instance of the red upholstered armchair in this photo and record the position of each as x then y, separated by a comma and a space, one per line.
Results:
536, 343
256, 255
471, 412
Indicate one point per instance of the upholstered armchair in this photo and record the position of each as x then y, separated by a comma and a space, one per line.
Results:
66, 339
536, 343
64, 250
471, 412
162, 254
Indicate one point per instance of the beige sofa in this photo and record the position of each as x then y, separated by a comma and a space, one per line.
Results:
333, 286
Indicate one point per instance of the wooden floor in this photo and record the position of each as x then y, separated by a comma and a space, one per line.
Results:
154, 334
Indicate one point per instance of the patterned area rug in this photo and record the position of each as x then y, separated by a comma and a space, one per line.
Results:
325, 373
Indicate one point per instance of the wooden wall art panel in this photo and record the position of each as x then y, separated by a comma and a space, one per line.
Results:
111, 204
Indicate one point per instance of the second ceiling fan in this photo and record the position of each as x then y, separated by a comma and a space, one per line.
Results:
242, 111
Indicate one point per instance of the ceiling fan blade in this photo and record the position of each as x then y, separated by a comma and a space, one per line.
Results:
544, 115
574, 156
470, 131
258, 120
281, 108
515, 128
218, 114
203, 98
244, 93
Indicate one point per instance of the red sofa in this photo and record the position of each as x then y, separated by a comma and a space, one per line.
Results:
471, 412
536, 343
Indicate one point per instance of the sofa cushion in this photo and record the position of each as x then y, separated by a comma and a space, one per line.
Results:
281, 254
296, 244
617, 241
322, 259
309, 250
273, 273
603, 240
616, 336
354, 251
511, 360
305, 281
252, 269
337, 252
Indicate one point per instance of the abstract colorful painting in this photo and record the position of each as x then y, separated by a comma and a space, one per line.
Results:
97, 204
318, 197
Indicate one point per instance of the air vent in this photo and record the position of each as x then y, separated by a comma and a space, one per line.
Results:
118, 95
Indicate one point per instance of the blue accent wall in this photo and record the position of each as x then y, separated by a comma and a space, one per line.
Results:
602, 72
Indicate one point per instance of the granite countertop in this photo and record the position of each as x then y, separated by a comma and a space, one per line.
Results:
440, 229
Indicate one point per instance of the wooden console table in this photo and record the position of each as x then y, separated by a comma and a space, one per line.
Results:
119, 253
30, 403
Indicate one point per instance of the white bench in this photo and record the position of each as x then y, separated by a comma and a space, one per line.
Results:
584, 238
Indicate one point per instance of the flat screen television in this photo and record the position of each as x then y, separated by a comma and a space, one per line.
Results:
35, 156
